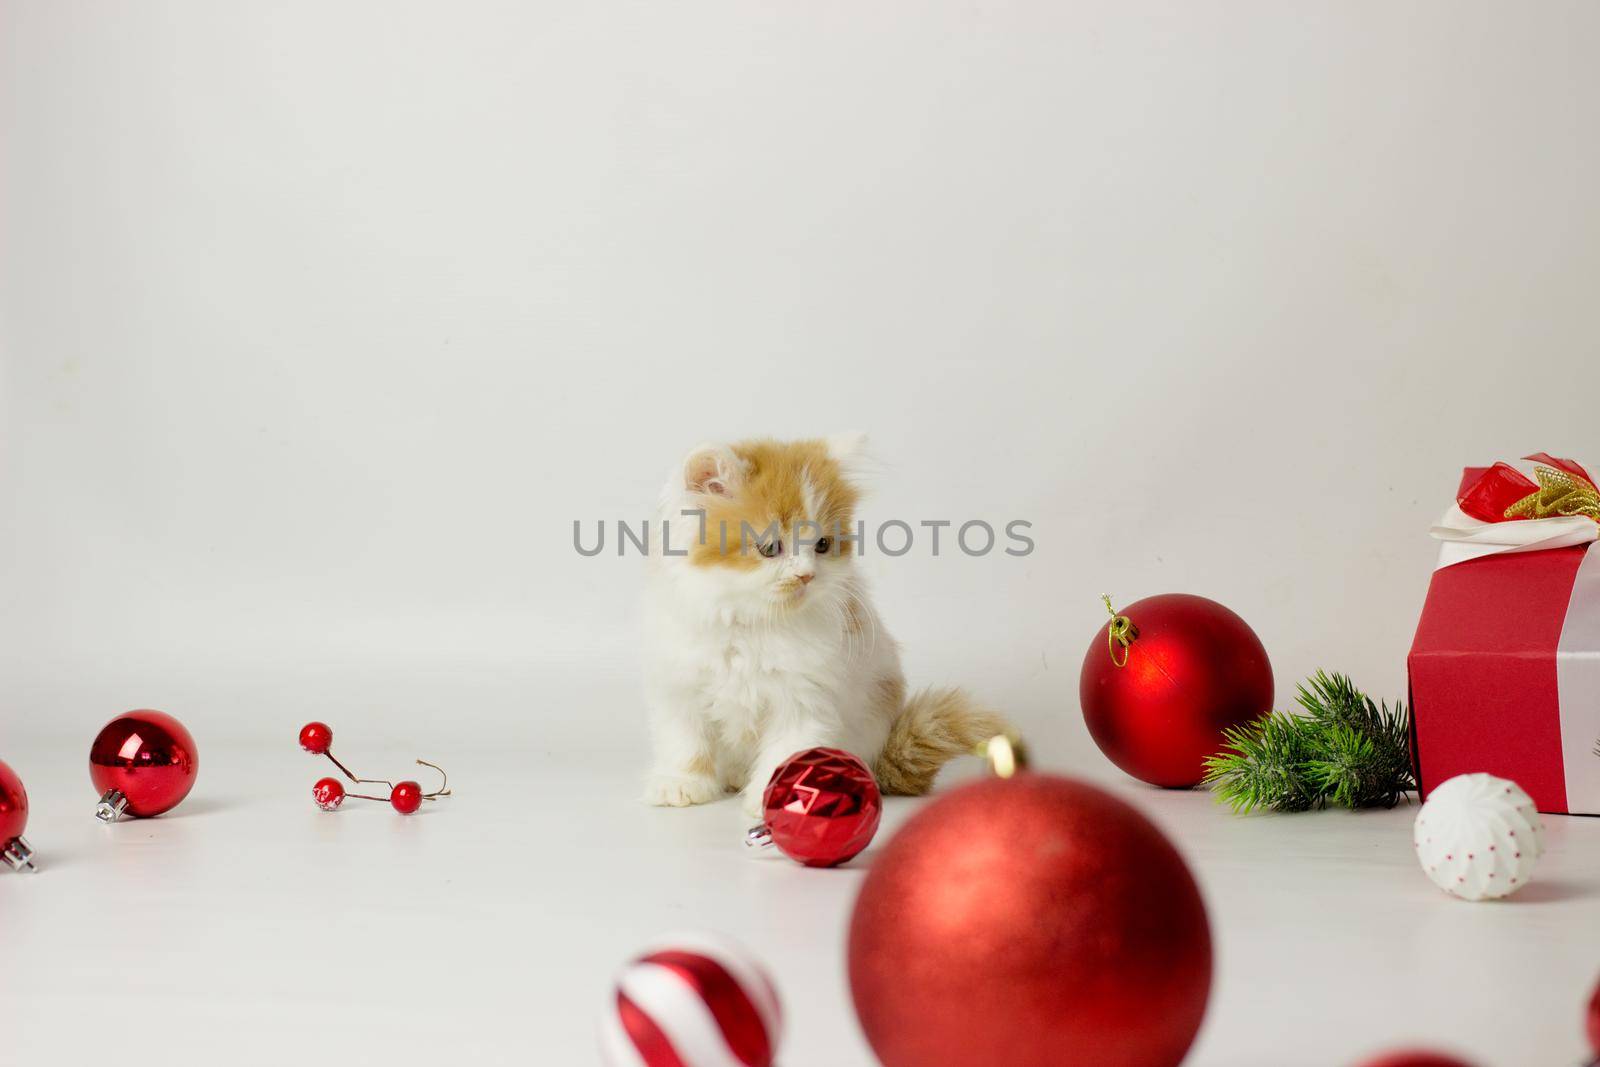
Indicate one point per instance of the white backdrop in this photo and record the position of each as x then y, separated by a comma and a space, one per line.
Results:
320, 324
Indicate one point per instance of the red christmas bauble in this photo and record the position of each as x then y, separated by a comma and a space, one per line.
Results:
316, 737
1193, 669
13, 819
1591, 1022
1415, 1059
696, 1000
13, 805
1033, 921
143, 763
406, 798
821, 807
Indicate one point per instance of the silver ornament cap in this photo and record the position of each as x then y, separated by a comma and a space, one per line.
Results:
18, 854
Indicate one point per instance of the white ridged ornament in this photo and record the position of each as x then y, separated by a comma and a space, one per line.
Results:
1478, 837
694, 1000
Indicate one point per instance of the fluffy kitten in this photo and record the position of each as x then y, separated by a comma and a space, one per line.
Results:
761, 638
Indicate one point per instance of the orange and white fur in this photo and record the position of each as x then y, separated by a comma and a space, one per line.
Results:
760, 646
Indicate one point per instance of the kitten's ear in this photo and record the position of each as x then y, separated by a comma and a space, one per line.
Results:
849, 451
847, 447
712, 469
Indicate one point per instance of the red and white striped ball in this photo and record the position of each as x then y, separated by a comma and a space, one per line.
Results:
695, 1000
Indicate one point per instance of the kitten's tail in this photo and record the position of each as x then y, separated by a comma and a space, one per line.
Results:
935, 726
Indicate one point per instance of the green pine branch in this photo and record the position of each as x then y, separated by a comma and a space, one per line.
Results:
1343, 750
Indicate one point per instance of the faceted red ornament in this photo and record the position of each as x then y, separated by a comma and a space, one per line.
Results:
328, 793
316, 737
821, 807
1189, 668
1032, 921
1415, 1059
406, 797
143, 763
13, 820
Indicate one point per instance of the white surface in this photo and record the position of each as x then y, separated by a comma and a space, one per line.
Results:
487, 929
321, 322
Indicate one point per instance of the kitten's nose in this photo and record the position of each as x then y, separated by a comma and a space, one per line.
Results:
805, 578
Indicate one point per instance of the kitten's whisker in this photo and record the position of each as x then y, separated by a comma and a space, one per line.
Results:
866, 611
841, 618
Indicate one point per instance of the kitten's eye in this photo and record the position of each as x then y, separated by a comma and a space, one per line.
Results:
770, 548
823, 544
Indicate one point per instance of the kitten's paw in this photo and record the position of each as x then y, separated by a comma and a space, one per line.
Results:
750, 802
679, 791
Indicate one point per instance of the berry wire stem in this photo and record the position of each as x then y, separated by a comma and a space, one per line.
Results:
444, 786
442, 791
350, 775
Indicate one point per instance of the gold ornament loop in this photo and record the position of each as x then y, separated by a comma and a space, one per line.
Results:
1122, 633
1560, 494
1006, 754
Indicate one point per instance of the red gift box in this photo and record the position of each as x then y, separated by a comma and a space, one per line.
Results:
1505, 667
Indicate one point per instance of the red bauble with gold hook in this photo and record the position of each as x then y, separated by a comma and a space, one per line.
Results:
1164, 677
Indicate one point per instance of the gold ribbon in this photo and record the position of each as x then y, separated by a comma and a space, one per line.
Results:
1122, 633
1559, 493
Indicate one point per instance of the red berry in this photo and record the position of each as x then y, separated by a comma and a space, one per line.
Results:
316, 737
406, 798
328, 793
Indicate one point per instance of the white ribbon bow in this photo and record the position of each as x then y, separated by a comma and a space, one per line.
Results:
1467, 538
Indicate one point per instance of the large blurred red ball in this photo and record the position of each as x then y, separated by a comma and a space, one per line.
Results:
1194, 669
149, 757
1033, 921
1591, 1021
1415, 1059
